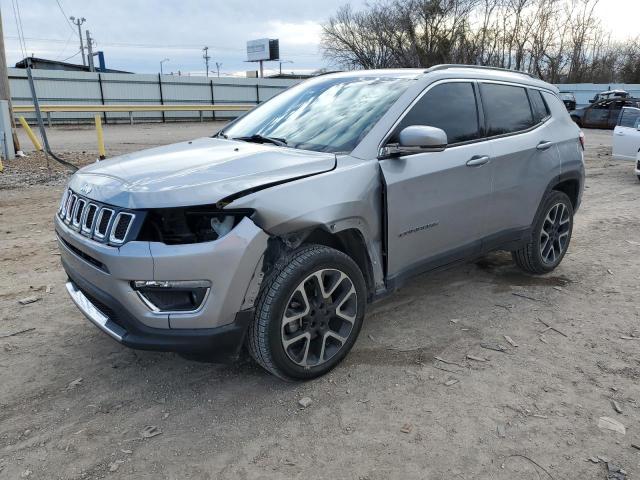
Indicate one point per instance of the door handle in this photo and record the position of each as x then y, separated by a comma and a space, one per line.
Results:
477, 160
620, 133
544, 145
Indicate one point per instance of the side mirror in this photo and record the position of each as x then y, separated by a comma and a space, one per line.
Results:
419, 136
416, 139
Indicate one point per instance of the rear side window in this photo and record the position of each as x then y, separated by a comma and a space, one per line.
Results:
629, 117
538, 105
506, 109
449, 106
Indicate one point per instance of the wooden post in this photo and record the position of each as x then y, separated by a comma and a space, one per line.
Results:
5, 93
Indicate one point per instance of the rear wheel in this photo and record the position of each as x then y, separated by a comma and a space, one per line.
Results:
308, 314
577, 121
550, 237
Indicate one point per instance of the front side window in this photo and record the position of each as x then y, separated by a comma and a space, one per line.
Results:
325, 115
506, 109
449, 106
629, 117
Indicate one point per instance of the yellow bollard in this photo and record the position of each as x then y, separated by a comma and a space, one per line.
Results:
101, 150
30, 134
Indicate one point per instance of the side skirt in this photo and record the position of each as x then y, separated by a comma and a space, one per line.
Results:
507, 240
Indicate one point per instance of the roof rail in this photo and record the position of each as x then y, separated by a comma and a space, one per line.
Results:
445, 66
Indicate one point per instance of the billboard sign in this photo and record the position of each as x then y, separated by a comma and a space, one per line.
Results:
263, 49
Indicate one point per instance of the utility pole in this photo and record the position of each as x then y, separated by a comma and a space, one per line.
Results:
90, 52
206, 57
161, 62
218, 65
284, 61
5, 93
79, 22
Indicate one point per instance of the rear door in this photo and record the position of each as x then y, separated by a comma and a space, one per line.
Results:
437, 201
524, 155
626, 137
597, 116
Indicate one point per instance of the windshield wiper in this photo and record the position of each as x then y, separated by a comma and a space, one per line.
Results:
256, 138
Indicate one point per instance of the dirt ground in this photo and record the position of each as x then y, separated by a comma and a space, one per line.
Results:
73, 403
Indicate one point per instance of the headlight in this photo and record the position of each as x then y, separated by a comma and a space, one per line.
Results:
175, 226
172, 295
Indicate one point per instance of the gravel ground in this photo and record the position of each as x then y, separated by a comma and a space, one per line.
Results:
74, 404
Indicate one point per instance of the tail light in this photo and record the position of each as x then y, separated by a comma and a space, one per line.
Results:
581, 137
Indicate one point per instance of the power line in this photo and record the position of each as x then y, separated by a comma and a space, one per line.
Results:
69, 58
66, 18
16, 16
66, 44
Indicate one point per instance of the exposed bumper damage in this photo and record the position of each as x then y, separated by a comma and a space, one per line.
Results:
101, 276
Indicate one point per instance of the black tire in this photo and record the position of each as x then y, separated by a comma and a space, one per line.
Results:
530, 257
577, 121
266, 336
639, 177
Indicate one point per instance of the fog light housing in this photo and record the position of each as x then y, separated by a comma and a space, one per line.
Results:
172, 295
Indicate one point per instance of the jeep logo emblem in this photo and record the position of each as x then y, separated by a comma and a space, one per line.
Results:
86, 189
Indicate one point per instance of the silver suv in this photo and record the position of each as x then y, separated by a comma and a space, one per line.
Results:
277, 232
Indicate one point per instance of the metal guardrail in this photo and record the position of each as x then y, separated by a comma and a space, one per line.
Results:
133, 108
48, 109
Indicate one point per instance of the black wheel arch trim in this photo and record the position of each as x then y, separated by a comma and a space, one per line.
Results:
574, 175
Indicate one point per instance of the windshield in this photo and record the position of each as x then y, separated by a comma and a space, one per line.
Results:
325, 115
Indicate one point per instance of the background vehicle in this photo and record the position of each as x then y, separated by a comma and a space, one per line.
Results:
281, 229
569, 100
603, 113
626, 135
609, 94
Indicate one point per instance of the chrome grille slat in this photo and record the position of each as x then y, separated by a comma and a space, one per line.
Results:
70, 205
63, 202
103, 222
78, 212
89, 218
94, 220
122, 221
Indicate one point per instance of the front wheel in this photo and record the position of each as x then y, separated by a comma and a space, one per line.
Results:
550, 237
308, 314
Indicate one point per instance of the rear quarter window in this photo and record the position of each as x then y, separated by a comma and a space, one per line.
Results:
506, 109
538, 105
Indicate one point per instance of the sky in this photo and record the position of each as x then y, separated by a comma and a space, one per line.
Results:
136, 35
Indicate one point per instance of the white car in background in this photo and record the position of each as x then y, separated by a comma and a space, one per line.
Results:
626, 137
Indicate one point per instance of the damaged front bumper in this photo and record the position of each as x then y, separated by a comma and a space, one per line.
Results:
101, 284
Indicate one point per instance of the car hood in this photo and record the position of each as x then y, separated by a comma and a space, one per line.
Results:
198, 172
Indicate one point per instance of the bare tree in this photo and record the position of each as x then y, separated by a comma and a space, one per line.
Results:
558, 40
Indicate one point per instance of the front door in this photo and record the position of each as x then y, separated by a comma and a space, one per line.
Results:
626, 136
437, 201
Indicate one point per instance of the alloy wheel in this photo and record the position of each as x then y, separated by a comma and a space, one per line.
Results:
554, 235
319, 317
